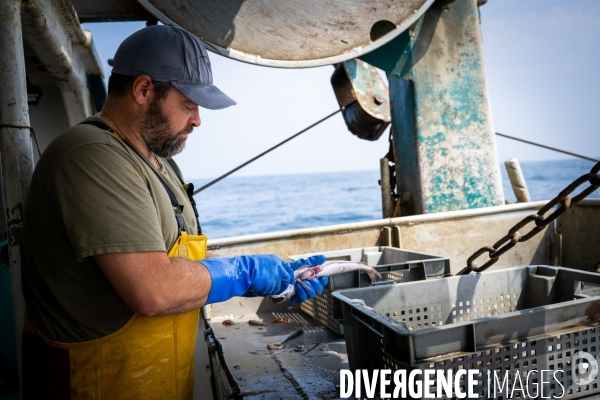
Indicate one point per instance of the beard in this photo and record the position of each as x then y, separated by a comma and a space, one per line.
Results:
157, 132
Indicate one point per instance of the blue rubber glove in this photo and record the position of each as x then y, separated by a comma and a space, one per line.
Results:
315, 285
315, 288
260, 275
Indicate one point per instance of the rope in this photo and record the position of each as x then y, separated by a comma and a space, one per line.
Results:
25, 127
547, 147
266, 151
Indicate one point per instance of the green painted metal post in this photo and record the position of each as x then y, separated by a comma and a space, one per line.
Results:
441, 114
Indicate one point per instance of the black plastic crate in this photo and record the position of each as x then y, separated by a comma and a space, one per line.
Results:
393, 264
511, 321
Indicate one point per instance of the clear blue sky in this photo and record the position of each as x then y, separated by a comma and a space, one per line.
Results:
542, 62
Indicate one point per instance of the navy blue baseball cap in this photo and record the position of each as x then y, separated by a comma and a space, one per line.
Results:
170, 54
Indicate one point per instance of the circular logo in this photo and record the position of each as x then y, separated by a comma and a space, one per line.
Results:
584, 368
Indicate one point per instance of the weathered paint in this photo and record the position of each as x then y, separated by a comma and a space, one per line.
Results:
441, 115
367, 85
17, 156
290, 34
364, 97
52, 31
517, 180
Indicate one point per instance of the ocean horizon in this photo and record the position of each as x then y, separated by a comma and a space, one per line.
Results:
243, 205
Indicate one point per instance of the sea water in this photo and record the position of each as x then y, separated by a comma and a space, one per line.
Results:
256, 204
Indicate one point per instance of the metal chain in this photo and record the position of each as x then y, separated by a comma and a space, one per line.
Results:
392, 173
563, 201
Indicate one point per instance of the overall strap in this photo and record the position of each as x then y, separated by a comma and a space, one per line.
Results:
189, 190
177, 208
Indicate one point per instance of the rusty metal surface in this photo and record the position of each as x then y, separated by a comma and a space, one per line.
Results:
581, 235
364, 97
309, 373
291, 33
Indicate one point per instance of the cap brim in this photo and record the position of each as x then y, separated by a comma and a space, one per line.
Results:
206, 96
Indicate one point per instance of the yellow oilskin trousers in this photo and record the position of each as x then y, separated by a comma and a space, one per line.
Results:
148, 358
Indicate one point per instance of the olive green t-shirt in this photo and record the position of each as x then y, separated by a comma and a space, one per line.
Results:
91, 194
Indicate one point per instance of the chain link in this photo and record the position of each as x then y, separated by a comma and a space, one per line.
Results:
562, 202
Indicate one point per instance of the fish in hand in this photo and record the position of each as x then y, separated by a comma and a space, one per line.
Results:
328, 268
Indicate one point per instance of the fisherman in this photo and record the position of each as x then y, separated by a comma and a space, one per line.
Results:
112, 276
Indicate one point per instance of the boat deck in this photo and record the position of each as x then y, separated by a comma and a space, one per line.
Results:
307, 367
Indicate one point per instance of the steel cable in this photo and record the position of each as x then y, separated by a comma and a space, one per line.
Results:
265, 152
546, 147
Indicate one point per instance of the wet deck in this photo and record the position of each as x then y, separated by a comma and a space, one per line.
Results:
306, 368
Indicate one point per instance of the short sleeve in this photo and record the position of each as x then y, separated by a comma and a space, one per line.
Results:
105, 202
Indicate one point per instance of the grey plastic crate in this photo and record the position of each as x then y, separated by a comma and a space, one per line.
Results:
395, 265
513, 320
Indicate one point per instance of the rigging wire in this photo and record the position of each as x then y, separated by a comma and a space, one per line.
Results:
546, 147
265, 152
209, 184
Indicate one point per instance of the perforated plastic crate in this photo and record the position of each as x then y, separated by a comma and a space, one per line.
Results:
393, 264
513, 320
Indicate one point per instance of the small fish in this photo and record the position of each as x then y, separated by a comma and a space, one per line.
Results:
328, 268
257, 322
279, 345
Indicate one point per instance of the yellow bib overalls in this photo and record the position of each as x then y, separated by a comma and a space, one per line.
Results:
148, 358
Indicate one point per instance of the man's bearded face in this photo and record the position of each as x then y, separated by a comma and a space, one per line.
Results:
158, 133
